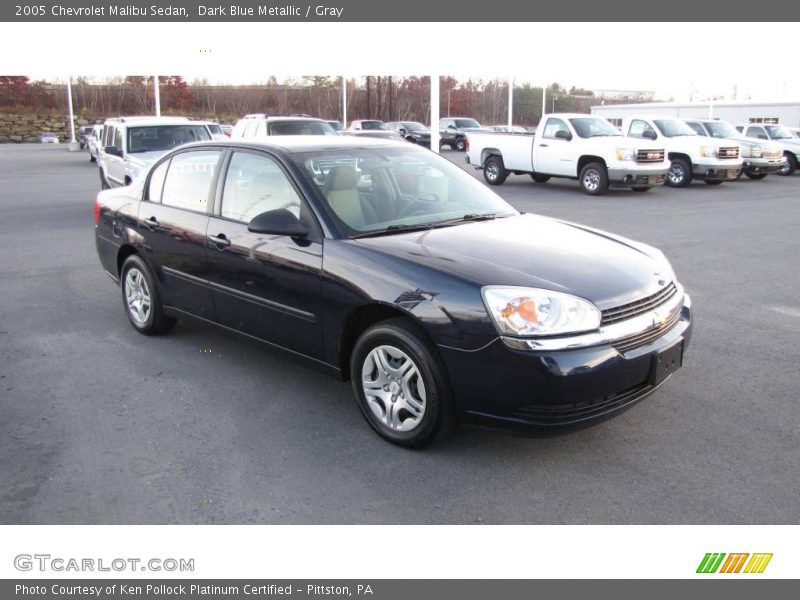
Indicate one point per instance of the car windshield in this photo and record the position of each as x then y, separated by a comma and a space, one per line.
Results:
375, 191
414, 126
460, 123
673, 128
373, 125
721, 129
300, 127
163, 137
589, 127
778, 132
336, 125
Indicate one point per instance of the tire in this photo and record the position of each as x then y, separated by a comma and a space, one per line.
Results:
407, 410
791, 165
756, 175
92, 158
680, 173
494, 171
539, 178
460, 144
593, 179
141, 299
713, 181
103, 181
641, 188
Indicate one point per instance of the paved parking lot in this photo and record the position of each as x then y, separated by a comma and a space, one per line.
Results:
103, 425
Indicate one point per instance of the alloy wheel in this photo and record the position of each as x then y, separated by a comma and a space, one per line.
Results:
591, 180
137, 296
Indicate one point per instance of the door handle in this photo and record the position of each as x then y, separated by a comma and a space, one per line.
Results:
221, 241
543, 146
151, 223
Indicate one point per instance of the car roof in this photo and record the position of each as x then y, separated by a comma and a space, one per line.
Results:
311, 143
267, 117
143, 120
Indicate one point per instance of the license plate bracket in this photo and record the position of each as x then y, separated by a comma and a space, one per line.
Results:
666, 362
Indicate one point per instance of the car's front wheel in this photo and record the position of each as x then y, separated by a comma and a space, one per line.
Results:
593, 179
141, 298
791, 165
400, 384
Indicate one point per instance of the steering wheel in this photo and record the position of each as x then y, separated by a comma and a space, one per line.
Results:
419, 206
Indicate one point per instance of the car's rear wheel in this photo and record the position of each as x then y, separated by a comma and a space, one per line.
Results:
494, 171
400, 384
791, 165
756, 175
593, 179
680, 173
539, 178
141, 298
461, 144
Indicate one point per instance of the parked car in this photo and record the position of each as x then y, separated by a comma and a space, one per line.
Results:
131, 144
779, 134
83, 136
575, 146
337, 125
381, 134
47, 137
388, 265
691, 156
759, 159
214, 130
453, 131
366, 124
412, 131
94, 140
263, 125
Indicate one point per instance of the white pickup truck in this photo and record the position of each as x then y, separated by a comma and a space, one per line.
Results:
691, 156
574, 146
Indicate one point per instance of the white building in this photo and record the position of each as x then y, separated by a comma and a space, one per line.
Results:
786, 113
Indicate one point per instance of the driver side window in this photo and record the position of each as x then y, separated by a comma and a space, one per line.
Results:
553, 126
641, 129
255, 184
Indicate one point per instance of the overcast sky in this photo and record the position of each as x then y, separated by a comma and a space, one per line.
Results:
674, 60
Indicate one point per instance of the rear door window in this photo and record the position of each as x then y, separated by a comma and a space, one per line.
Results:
188, 181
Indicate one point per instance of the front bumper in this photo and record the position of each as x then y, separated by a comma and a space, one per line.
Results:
763, 165
506, 387
717, 171
637, 176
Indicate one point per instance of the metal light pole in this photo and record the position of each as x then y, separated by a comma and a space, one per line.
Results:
510, 103
157, 95
544, 99
435, 113
74, 146
344, 100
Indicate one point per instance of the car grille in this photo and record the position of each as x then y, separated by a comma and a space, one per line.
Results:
575, 411
632, 309
772, 153
649, 156
646, 337
728, 152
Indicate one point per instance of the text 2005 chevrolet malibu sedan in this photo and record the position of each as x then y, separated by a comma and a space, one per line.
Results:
386, 264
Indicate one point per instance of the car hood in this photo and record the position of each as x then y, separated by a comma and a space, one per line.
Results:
535, 251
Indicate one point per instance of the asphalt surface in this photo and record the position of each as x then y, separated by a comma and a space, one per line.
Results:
103, 425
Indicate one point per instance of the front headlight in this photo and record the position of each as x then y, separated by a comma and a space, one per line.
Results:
708, 151
626, 154
533, 311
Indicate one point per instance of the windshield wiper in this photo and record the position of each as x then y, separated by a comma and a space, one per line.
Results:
424, 226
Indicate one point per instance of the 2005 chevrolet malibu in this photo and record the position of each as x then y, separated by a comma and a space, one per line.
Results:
386, 264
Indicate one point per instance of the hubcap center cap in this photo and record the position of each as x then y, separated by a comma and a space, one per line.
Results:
394, 388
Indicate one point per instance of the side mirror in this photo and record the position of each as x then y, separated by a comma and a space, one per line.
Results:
649, 135
563, 135
402, 130
278, 222
451, 127
112, 150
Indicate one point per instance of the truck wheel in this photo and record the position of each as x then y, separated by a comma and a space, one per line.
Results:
641, 188
680, 173
791, 165
461, 144
756, 175
539, 178
494, 172
594, 179
713, 181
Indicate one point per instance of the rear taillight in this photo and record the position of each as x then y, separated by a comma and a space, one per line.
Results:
96, 212
467, 146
